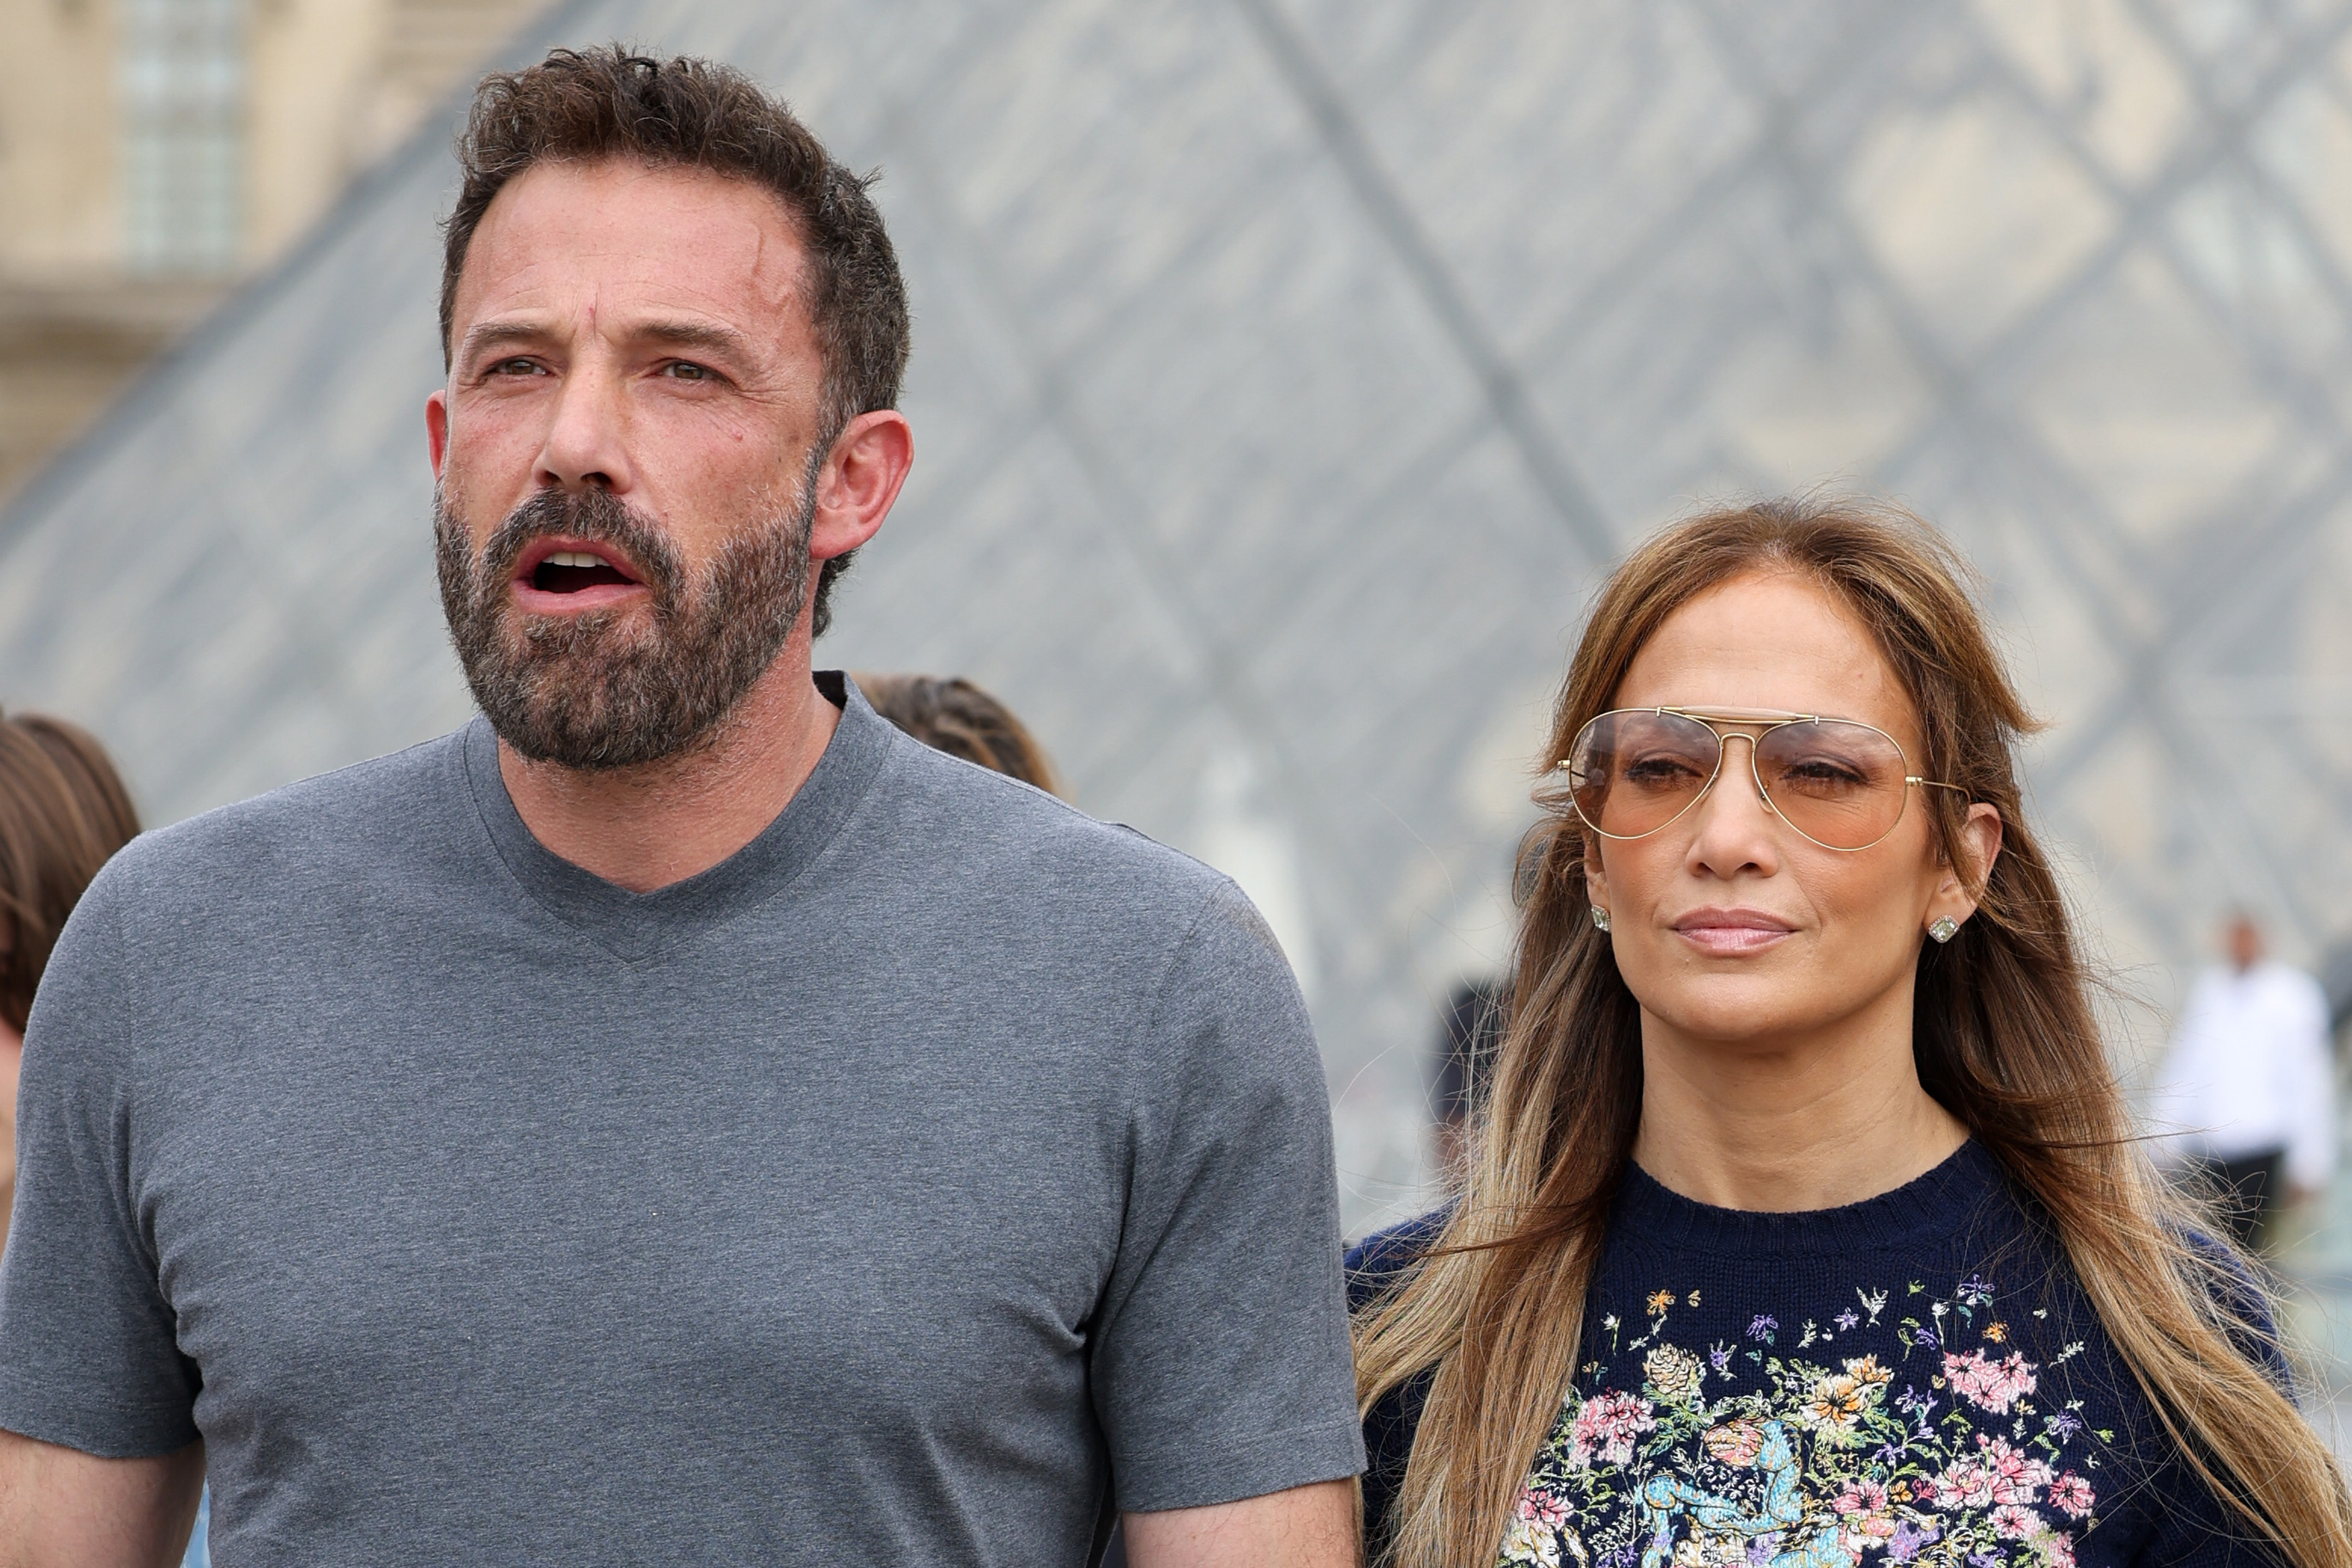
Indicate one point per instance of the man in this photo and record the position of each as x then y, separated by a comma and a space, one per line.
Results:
677, 1118
2247, 1095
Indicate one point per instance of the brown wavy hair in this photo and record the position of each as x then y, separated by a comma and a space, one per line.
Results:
2003, 1033
950, 714
63, 811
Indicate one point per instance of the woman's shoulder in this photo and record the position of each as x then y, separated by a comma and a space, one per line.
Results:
1381, 1261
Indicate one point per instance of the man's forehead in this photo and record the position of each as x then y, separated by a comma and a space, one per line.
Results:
669, 244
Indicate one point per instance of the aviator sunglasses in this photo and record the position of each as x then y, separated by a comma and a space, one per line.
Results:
1841, 783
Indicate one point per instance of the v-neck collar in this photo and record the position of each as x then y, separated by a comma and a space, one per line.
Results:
635, 925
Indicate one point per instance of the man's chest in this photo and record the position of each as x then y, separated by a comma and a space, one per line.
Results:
518, 1228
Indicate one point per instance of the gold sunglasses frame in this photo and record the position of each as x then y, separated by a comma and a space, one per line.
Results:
1764, 721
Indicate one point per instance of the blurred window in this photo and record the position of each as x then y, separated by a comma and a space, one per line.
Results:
183, 84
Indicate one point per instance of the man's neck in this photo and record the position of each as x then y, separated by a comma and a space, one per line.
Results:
643, 827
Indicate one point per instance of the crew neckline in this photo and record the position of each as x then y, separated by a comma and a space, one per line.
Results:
1944, 1201
633, 926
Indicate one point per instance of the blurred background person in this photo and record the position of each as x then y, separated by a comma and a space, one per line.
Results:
63, 812
2247, 1096
1466, 1044
948, 713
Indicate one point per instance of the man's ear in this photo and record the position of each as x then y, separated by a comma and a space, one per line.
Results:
860, 481
436, 432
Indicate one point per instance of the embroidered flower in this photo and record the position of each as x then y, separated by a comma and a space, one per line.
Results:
2071, 1495
1965, 1484
1660, 1300
2055, 1549
1607, 1426
1908, 1538
1541, 1507
1735, 1443
1847, 1319
2011, 1522
1529, 1542
1840, 1401
1675, 1374
1762, 1328
1837, 1403
1861, 1497
1993, 1384
2016, 1477
1719, 1357
1865, 1518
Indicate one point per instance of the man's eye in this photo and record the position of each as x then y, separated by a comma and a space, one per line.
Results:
687, 371
515, 368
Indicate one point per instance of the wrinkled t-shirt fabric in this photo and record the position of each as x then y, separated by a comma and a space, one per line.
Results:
939, 1169
1914, 1380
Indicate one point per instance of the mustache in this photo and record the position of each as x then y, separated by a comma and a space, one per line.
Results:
591, 517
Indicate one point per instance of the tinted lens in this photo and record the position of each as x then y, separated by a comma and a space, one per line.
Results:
1632, 773
1838, 784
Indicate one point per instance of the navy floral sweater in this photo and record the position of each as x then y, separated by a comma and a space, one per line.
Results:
1912, 1380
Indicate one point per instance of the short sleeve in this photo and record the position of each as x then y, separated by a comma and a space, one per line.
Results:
88, 1357
1221, 1362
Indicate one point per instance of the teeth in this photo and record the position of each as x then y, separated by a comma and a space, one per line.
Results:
574, 557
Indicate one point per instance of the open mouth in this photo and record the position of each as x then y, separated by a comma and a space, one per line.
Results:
555, 576
573, 571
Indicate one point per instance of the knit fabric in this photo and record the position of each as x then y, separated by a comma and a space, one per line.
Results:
1916, 1379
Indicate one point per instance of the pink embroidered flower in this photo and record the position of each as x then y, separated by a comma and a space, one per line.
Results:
1542, 1507
1994, 1385
1861, 1497
1735, 1443
1864, 1519
2057, 1551
2011, 1522
1607, 1425
2017, 1479
2071, 1494
1967, 1484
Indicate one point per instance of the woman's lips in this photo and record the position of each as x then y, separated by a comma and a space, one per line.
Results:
1729, 932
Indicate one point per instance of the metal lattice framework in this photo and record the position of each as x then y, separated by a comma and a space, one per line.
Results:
1287, 369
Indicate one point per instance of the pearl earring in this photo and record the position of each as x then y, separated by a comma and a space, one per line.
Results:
1945, 928
1600, 918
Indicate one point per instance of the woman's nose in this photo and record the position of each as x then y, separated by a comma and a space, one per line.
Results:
1736, 827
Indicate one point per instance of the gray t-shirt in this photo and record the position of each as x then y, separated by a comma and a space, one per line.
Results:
881, 1194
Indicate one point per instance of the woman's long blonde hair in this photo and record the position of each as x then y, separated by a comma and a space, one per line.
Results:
2003, 1032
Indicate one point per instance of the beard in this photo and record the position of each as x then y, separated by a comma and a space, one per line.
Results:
604, 689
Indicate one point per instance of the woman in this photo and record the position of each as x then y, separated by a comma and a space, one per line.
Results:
948, 713
1805, 1228
63, 811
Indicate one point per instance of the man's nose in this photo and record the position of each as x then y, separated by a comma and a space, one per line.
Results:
586, 446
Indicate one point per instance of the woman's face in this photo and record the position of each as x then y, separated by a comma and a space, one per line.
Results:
1728, 925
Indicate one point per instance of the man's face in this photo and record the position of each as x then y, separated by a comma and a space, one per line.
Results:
624, 456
